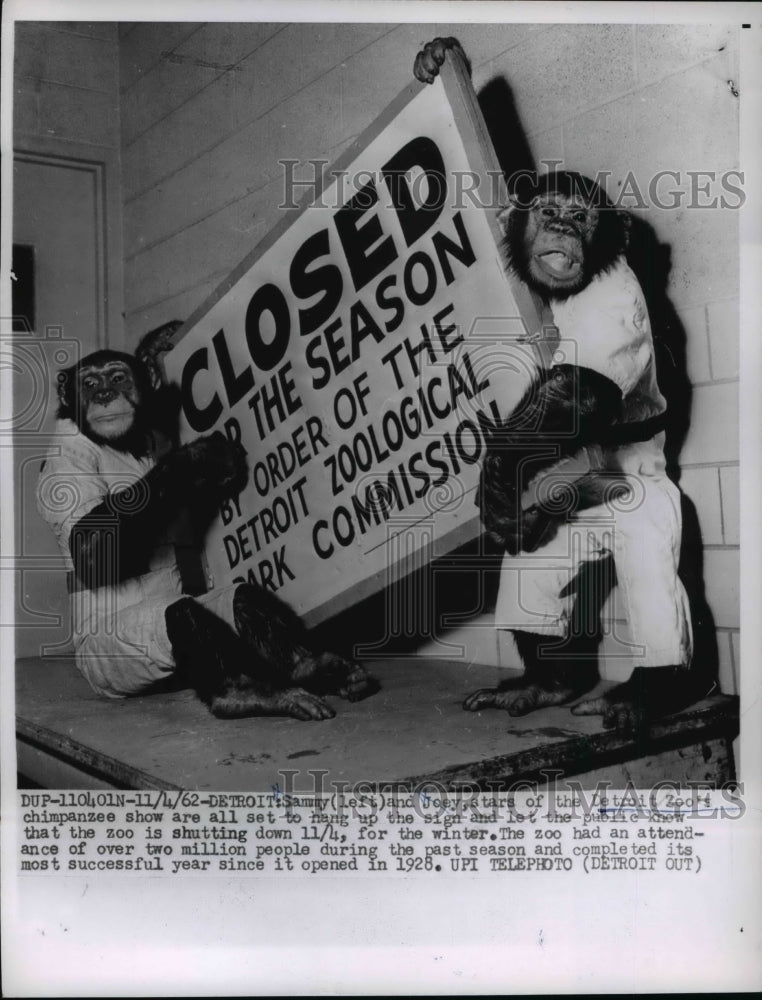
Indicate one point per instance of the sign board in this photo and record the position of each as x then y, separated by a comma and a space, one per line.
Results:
356, 352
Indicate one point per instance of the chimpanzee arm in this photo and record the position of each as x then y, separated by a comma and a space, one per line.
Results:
563, 410
114, 541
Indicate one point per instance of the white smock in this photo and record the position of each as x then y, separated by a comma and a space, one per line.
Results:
119, 633
606, 328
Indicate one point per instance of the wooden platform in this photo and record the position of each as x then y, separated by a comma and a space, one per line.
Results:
414, 728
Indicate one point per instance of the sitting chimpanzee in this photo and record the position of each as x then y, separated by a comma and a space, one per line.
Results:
112, 499
566, 241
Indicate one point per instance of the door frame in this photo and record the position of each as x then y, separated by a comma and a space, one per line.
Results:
104, 167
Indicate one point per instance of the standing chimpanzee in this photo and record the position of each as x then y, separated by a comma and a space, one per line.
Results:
567, 242
112, 500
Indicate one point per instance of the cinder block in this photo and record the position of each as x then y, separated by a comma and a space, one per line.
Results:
273, 81
693, 321
171, 83
182, 137
488, 41
220, 49
705, 256
240, 166
481, 42
724, 330
180, 306
722, 582
224, 43
702, 486
318, 48
215, 244
141, 46
45, 53
268, 79
547, 145
25, 107
664, 48
302, 55
372, 80
94, 29
203, 186
566, 69
663, 127
78, 115
713, 432
305, 127
729, 485
660, 127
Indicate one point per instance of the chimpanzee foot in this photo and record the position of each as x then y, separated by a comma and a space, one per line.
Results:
240, 701
651, 692
329, 673
301, 704
516, 701
621, 713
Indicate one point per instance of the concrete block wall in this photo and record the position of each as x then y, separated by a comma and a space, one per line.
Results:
207, 110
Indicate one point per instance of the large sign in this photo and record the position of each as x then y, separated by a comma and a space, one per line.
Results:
356, 354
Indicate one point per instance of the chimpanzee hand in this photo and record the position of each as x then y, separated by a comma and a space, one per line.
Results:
497, 497
499, 504
212, 466
431, 57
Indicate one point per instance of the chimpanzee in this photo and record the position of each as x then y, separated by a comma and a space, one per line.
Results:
111, 499
567, 242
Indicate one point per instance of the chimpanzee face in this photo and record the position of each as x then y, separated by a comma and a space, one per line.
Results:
105, 395
109, 399
560, 230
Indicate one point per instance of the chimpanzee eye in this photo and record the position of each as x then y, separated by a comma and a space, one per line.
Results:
117, 377
548, 211
90, 382
580, 216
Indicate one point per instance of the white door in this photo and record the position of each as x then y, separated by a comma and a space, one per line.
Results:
58, 222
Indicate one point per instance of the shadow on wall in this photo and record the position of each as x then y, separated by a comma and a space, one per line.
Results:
652, 261
504, 127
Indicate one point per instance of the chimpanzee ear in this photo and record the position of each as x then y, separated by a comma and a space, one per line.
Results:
519, 198
152, 346
503, 216
62, 388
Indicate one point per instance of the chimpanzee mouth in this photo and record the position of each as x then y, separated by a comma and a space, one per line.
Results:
559, 264
104, 418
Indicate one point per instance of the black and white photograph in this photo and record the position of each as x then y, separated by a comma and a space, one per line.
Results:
375, 447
